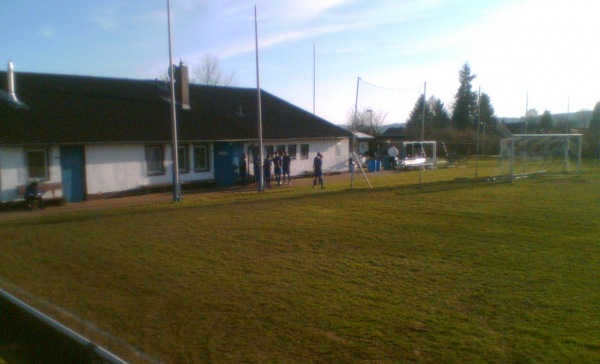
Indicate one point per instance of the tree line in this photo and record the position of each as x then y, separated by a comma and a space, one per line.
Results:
472, 113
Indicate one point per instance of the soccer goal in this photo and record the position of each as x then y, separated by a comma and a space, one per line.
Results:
524, 155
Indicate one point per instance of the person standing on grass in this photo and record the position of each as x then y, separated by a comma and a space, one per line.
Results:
243, 166
318, 170
256, 164
285, 166
267, 171
393, 155
277, 162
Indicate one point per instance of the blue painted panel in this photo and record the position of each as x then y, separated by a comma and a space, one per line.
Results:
227, 157
72, 172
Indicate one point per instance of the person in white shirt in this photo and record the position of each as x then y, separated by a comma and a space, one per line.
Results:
393, 154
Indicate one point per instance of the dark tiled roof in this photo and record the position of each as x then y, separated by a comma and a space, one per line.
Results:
394, 131
79, 109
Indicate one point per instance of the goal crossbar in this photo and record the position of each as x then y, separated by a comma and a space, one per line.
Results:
567, 138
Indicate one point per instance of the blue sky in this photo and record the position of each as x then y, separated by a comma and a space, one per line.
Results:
545, 49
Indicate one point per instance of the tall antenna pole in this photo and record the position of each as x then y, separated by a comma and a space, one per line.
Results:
175, 157
314, 78
354, 135
568, 114
423, 128
477, 122
261, 187
526, 109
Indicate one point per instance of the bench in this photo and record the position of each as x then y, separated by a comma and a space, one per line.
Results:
44, 187
457, 160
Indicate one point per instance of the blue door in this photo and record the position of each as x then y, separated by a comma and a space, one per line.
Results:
72, 172
227, 159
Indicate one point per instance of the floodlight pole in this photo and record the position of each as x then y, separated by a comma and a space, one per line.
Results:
423, 128
526, 109
477, 123
261, 187
174, 153
354, 155
314, 79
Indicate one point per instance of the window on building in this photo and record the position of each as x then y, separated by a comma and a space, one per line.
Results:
201, 158
292, 151
363, 147
280, 148
304, 151
269, 151
37, 164
183, 160
338, 150
155, 160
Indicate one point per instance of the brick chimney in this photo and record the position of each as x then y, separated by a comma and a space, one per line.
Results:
182, 86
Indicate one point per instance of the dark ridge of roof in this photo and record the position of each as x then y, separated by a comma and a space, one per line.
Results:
84, 109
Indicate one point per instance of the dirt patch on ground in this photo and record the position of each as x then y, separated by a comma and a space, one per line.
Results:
153, 198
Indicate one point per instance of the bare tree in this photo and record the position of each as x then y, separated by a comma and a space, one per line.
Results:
209, 72
366, 121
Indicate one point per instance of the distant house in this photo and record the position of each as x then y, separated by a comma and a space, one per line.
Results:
396, 133
362, 141
93, 137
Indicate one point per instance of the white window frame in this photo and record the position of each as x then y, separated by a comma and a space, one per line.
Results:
183, 159
36, 172
304, 151
155, 160
279, 148
269, 151
205, 166
292, 151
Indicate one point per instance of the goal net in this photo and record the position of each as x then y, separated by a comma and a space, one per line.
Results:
525, 155
393, 105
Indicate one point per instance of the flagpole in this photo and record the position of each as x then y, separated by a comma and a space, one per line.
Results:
351, 166
259, 106
314, 79
175, 159
423, 129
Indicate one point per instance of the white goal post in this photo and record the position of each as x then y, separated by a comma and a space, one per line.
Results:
530, 154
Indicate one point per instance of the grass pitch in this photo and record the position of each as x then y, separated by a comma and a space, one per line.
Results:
437, 272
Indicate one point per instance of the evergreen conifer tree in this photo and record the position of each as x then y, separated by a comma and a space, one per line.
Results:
440, 118
593, 132
465, 100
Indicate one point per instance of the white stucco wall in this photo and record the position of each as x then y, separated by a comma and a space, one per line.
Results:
114, 168
335, 159
13, 172
111, 168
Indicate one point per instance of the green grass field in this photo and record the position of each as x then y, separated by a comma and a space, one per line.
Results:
436, 272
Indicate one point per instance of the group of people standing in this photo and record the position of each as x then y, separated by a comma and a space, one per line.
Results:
278, 166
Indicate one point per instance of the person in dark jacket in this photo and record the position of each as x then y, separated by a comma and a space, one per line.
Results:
318, 169
277, 162
256, 165
242, 168
267, 171
285, 166
33, 193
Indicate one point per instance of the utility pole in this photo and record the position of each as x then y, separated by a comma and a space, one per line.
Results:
174, 153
